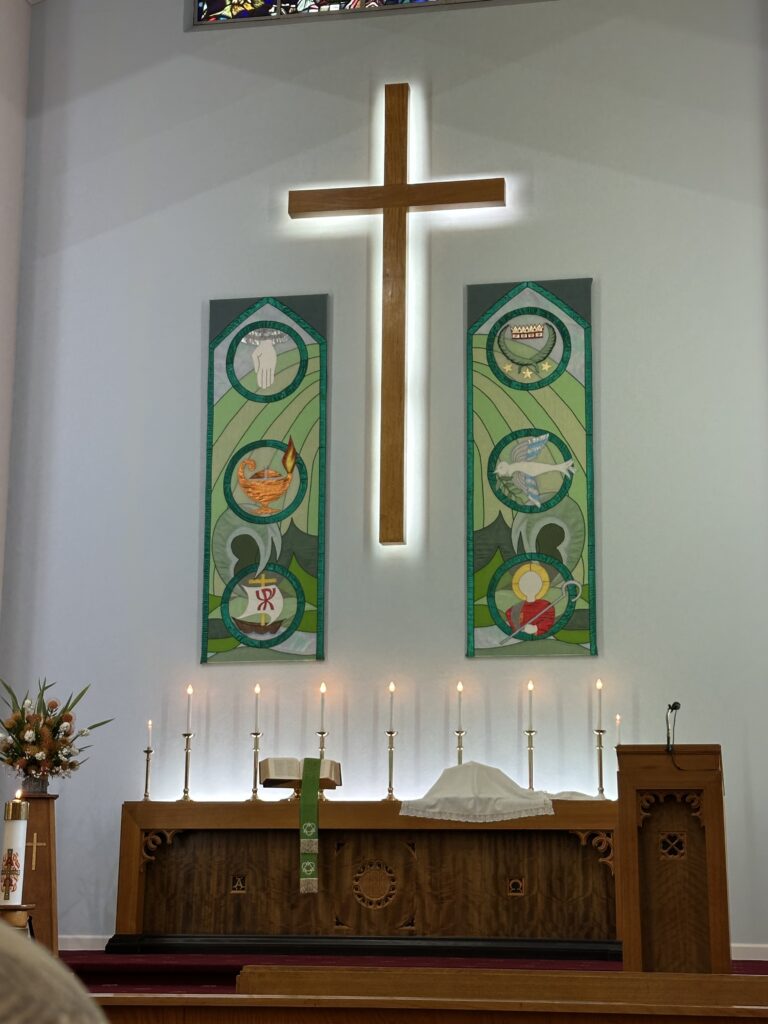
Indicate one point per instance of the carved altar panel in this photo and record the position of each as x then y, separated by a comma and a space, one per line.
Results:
483, 884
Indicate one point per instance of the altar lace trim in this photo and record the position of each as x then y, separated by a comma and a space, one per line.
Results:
477, 792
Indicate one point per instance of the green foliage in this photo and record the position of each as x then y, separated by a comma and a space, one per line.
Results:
484, 576
225, 644
573, 636
483, 616
308, 583
308, 622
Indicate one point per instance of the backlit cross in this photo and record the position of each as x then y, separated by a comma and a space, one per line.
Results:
394, 199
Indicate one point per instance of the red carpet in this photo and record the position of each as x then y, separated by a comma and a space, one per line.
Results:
216, 973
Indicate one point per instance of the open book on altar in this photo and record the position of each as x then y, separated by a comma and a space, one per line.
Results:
288, 772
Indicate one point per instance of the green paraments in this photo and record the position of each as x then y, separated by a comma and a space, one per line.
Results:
530, 525
265, 487
308, 825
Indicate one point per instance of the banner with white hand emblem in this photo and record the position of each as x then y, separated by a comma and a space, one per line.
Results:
265, 489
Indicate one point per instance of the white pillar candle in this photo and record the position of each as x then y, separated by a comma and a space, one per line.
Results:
599, 687
459, 691
618, 730
149, 734
530, 705
323, 691
14, 849
256, 694
392, 707
190, 691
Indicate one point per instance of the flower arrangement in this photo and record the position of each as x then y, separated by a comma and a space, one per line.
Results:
42, 738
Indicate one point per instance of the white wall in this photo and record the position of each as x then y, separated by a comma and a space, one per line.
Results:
14, 63
158, 168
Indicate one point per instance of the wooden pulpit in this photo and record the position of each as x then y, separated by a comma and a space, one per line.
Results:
672, 896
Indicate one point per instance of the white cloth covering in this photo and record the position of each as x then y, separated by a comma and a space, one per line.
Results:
477, 792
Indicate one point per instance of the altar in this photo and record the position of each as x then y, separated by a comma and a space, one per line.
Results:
203, 869
646, 873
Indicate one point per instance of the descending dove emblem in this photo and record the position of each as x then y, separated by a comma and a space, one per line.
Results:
523, 470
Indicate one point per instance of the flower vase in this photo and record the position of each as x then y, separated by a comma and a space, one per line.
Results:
34, 786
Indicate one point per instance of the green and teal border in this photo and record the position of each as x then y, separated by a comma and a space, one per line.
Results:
511, 291
246, 314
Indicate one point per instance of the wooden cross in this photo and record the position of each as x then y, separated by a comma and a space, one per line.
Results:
394, 199
35, 844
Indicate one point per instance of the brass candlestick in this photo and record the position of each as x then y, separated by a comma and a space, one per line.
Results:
460, 734
599, 733
530, 733
255, 788
187, 757
391, 733
148, 752
321, 737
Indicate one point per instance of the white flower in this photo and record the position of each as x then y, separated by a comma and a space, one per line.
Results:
40, 755
29, 736
85, 732
27, 703
63, 728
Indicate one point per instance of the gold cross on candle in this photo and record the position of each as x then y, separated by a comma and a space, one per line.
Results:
395, 199
35, 844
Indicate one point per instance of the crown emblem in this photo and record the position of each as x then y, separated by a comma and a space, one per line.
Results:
527, 331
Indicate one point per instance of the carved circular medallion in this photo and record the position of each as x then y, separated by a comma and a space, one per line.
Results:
374, 884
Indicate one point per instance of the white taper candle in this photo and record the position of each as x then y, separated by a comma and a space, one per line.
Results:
530, 705
599, 687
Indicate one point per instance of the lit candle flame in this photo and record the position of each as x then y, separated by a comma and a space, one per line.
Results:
323, 688
391, 687
599, 684
530, 686
257, 689
460, 686
190, 691
18, 794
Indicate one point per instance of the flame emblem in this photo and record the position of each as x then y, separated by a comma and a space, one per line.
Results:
265, 486
289, 458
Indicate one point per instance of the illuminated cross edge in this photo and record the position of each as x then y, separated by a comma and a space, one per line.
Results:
394, 199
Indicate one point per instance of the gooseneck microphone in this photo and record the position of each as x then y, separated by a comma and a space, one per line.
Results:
672, 709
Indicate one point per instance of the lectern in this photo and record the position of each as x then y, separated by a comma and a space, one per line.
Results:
670, 873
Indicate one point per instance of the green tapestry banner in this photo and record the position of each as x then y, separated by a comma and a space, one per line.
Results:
265, 485
530, 518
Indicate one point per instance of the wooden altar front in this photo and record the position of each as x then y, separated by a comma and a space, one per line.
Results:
232, 870
226, 875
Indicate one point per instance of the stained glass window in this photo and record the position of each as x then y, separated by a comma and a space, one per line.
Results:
212, 12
